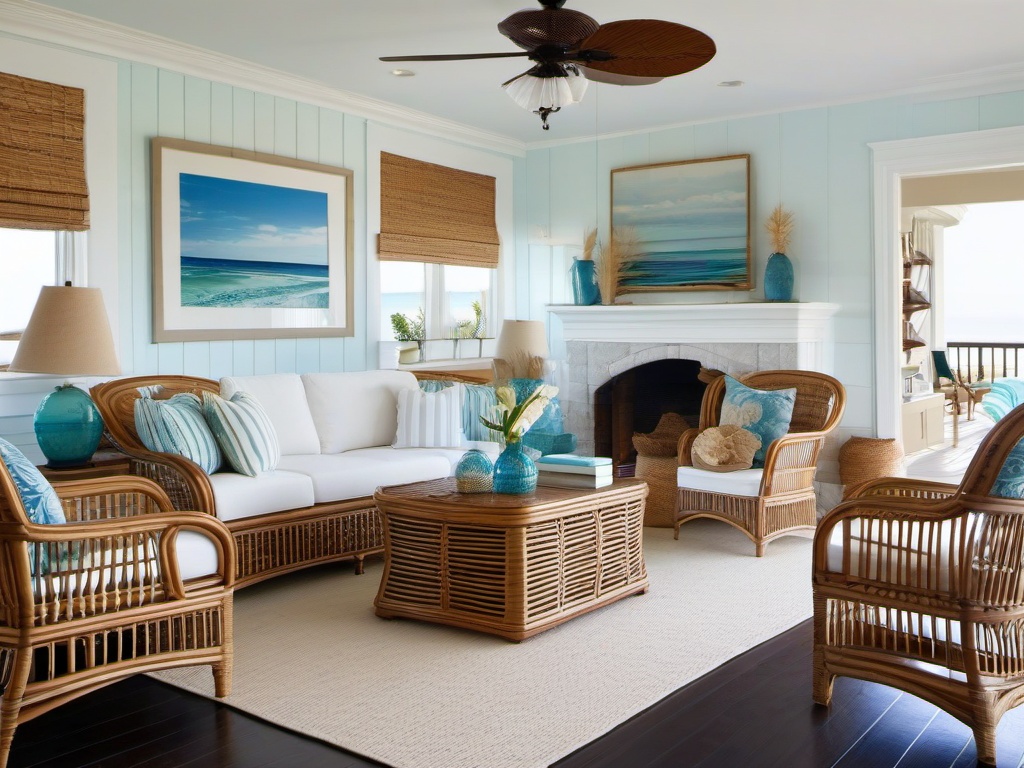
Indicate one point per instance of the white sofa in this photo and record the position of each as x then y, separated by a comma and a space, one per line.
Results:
335, 431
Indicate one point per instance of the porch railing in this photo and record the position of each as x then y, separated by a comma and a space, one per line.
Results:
977, 361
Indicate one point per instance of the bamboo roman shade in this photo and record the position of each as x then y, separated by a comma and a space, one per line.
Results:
42, 155
437, 214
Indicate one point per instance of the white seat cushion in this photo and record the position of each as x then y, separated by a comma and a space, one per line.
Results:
239, 496
354, 474
284, 399
744, 482
355, 410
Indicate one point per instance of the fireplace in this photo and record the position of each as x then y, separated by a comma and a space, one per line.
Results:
634, 401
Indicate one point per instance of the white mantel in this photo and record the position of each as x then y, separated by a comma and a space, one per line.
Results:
740, 323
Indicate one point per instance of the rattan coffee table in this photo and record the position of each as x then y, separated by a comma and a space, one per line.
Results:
509, 565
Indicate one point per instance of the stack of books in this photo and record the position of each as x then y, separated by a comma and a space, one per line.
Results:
566, 470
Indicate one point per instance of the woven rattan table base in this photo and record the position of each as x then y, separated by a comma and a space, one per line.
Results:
509, 565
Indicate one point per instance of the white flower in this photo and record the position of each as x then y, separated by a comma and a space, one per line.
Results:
506, 396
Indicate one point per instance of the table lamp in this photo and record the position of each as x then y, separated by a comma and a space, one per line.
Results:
68, 334
520, 343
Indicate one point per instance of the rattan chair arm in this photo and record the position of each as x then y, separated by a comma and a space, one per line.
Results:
789, 445
874, 508
185, 470
116, 484
685, 444
901, 487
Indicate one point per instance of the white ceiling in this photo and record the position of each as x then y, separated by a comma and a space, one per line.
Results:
789, 53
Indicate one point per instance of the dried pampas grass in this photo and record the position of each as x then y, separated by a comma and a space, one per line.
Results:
780, 229
612, 260
589, 243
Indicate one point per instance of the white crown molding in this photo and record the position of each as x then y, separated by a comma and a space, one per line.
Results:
46, 24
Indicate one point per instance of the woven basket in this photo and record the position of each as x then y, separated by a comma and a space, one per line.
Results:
660, 474
664, 439
868, 458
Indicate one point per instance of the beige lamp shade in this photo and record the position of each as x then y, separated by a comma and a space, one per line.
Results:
522, 338
68, 334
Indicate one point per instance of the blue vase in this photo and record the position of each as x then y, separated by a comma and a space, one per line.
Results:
778, 278
514, 470
584, 283
474, 472
68, 427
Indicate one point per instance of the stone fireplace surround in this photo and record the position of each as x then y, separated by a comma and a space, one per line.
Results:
604, 341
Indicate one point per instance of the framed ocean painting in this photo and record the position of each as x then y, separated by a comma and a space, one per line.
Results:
690, 222
249, 245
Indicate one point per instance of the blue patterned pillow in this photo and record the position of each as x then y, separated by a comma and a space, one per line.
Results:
243, 431
177, 426
1009, 482
40, 501
765, 412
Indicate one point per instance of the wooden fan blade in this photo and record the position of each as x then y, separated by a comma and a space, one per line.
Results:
615, 79
648, 48
455, 56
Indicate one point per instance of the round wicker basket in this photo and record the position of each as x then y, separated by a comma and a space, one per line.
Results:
660, 474
868, 458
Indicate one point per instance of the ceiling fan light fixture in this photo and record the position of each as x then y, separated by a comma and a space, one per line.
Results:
546, 88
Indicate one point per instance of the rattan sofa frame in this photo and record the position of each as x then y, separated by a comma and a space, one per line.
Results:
932, 574
268, 545
111, 603
785, 503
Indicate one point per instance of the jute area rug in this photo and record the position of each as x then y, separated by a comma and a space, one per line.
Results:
311, 656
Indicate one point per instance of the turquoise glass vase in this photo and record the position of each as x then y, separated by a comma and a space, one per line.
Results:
514, 470
474, 473
778, 278
584, 283
68, 427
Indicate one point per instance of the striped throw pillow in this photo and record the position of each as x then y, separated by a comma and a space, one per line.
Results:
429, 419
243, 431
479, 400
177, 426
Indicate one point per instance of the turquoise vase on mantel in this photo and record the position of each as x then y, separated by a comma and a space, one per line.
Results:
778, 278
514, 470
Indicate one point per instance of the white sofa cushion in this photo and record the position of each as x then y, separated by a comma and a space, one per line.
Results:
355, 474
284, 399
355, 410
745, 482
239, 496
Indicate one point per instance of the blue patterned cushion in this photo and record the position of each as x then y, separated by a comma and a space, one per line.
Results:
37, 497
1009, 482
477, 400
243, 431
177, 426
435, 385
766, 413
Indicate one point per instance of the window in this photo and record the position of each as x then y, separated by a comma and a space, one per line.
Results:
445, 293
29, 259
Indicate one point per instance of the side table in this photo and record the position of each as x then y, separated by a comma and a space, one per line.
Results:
104, 463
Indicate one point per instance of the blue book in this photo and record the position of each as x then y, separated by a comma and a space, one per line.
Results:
572, 460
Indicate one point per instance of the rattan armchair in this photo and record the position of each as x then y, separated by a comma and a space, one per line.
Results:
111, 601
782, 500
920, 585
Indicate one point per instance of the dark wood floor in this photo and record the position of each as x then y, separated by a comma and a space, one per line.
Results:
754, 711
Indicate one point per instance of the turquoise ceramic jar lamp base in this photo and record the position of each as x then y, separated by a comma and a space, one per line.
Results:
514, 470
68, 427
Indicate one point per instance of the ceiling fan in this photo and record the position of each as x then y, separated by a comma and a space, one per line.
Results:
569, 48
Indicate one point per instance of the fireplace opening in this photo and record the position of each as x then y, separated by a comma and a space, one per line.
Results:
634, 401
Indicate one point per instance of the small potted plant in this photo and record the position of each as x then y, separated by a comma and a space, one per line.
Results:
410, 333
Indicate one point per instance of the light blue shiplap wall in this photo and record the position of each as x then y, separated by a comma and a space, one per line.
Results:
815, 162
155, 102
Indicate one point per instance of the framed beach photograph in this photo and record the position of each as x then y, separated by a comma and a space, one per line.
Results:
249, 245
689, 223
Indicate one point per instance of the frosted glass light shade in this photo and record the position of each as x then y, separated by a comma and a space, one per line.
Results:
534, 93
